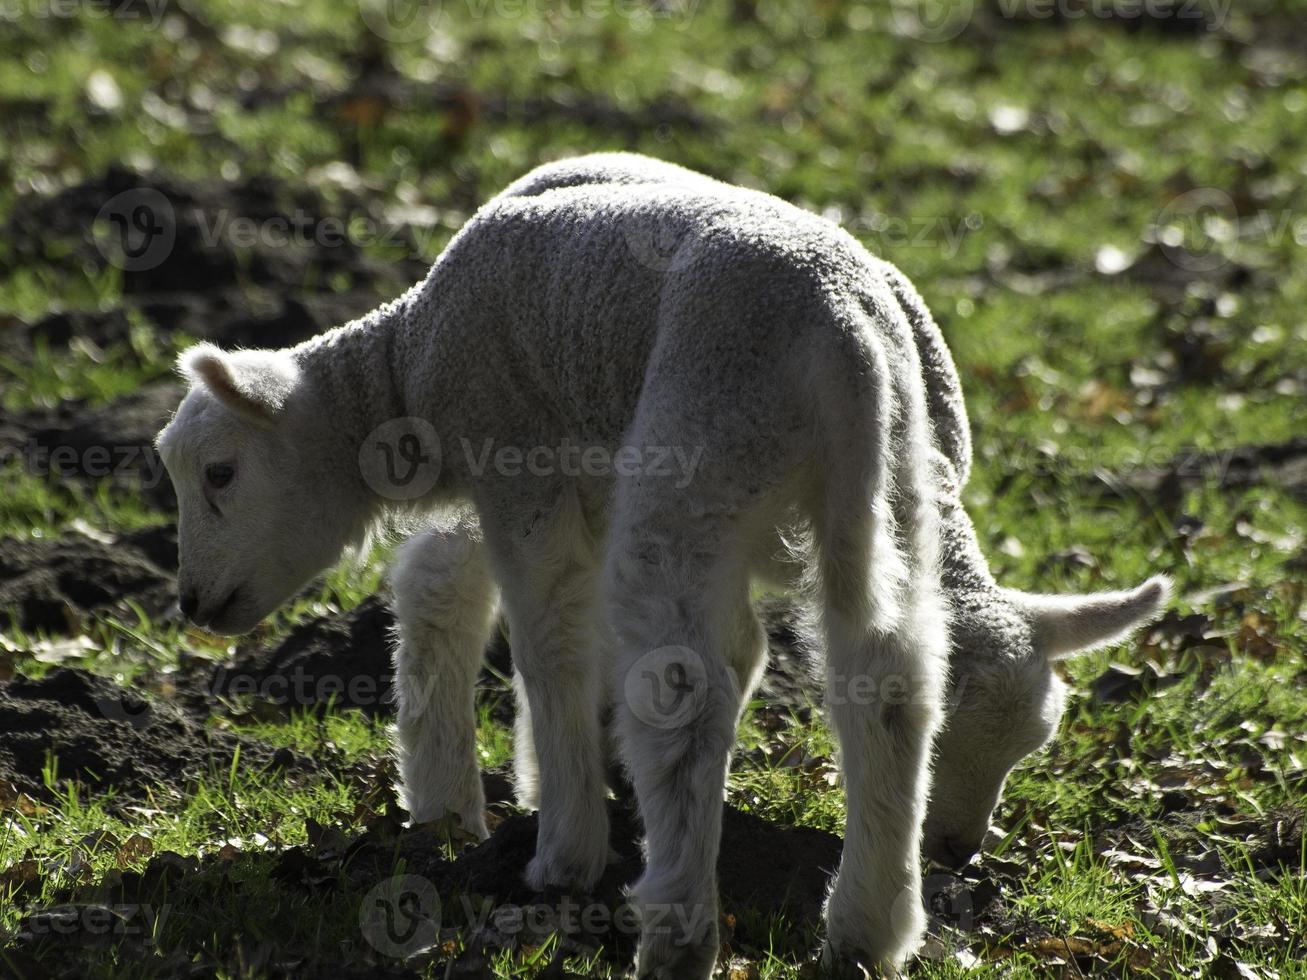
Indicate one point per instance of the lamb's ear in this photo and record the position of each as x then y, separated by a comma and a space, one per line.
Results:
1067, 624
254, 383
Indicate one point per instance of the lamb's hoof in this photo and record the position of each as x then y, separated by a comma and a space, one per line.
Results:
877, 938
468, 826
853, 964
579, 872
673, 955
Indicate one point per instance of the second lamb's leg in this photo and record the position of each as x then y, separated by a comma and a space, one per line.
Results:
526, 769
444, 604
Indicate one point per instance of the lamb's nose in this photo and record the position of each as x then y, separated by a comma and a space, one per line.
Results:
960, 852
189, 602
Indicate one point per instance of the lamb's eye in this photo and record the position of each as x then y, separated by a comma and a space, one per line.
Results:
219, 474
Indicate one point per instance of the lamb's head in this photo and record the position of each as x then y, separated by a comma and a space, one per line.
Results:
1005, 699
259, 517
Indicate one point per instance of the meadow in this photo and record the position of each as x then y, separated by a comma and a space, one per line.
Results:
1104, 205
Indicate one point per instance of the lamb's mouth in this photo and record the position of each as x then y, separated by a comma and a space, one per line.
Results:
214, 619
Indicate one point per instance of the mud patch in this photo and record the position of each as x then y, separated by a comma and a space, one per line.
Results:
111, 443
792, 679
174, 236
342, 660
476, 898
765, 872
270, 317
258, 263
345, 660
1282, 465
108, 738
52, 584
60, 328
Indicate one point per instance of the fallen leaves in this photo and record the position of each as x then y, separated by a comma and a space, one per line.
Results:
1094, 940
1123, 682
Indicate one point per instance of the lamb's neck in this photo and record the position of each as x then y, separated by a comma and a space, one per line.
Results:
359, 388
963, 568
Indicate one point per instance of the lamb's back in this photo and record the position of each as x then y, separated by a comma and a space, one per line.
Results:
559, 309
611, 257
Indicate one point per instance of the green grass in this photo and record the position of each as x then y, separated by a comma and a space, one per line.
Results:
1015, 154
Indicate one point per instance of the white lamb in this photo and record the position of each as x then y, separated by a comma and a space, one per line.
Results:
639, 313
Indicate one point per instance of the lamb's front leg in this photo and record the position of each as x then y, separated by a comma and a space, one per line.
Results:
547, 578
445, 605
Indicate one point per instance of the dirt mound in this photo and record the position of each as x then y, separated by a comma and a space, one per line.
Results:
169, 235
107, 737
345, 659
111, 443
789, 681
342, 659
49, 584
1282, 465
158, 544
764, 870
232, 317
60, 328
256, 263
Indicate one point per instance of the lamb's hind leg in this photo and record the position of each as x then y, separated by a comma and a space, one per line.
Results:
444, 604
678, 602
